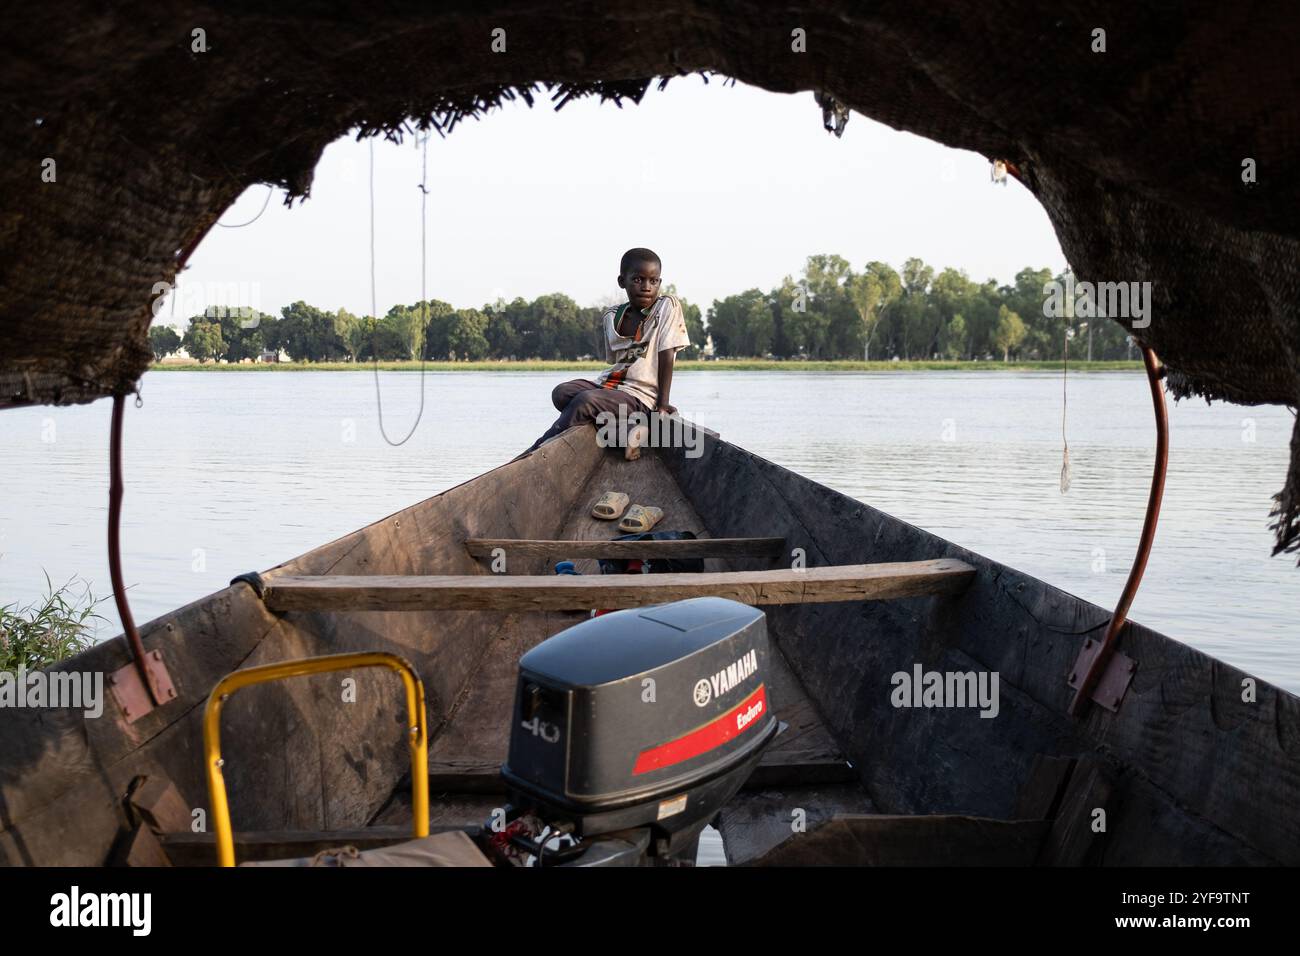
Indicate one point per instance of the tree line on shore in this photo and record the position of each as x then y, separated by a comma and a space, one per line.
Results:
550, 327
831, 311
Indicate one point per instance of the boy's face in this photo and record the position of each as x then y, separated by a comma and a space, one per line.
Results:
641, 282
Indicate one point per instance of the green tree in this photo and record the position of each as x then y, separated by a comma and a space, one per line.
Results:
436, 317
163, 341
503, 340
917, 277
784, 300
910, 326
825, 275
309, 334
203, 339
1025, 298
831, 326
805, 327
1010, 333
410, 324
694, 325
467, 339
953, 342
380, 339
243, 331
980, 312
553, 318
742, 325
951, 294
423, 326
351, 330
518, 317
873, 292
694, 329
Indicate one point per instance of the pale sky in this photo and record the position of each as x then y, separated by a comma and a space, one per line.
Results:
733, 186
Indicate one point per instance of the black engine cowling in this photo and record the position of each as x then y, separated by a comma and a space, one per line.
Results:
647, 717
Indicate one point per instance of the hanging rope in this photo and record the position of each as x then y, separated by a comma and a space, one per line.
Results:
1065, 396
424, 299
265, 203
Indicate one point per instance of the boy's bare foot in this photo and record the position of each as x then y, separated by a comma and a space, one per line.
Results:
636, 440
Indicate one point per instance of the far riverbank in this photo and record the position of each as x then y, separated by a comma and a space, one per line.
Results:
686, 365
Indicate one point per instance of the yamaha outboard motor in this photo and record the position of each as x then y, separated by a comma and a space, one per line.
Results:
633, 729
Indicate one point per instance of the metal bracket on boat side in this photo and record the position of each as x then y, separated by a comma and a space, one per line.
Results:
1114, 681
131, 694
252, 579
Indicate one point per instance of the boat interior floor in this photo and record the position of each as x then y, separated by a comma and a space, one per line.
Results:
804, 784
801, 825
804, 803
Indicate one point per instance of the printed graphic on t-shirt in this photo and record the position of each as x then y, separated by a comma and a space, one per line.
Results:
633, 352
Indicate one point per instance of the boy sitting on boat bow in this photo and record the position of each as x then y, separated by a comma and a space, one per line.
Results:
642, 338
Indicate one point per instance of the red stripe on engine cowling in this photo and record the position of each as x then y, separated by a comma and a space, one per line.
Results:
713, 734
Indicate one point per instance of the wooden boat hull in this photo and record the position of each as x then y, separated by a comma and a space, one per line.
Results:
1186, 771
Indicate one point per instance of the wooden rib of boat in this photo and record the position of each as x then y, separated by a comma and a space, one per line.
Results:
1198, 764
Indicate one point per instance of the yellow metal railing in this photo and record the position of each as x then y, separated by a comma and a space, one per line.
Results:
417, 733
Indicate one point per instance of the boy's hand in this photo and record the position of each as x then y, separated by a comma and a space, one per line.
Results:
666, 408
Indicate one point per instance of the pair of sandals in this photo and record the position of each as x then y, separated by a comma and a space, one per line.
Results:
639, 518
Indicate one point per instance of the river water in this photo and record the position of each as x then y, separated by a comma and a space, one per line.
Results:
235, 471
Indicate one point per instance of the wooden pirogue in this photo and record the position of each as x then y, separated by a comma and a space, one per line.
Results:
1197, 763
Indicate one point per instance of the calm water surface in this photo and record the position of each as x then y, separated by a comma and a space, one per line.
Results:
237, 471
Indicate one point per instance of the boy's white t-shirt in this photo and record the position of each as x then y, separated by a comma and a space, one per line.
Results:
636, 358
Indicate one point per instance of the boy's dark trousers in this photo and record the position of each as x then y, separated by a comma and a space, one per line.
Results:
580, 401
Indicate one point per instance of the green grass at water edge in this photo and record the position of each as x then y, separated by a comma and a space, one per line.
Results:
690, 365
48, 630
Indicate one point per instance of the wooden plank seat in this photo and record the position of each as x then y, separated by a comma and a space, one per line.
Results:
489, 592
686, 548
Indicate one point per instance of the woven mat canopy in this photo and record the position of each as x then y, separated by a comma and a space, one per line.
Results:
1136, 153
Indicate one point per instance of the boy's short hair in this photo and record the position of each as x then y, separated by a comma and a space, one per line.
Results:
638, 255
